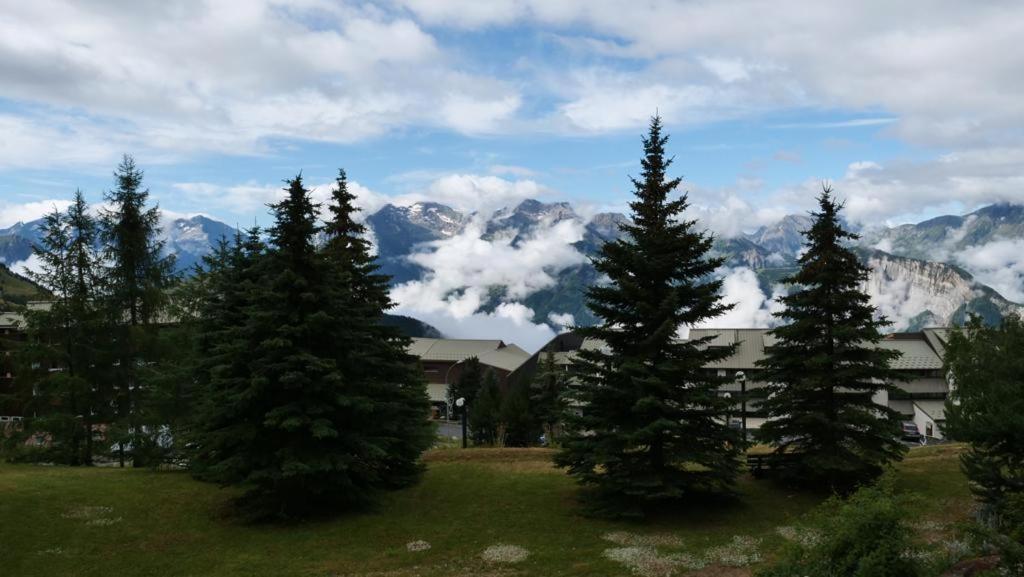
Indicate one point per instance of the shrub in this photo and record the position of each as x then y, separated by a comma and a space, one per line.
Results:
864, 535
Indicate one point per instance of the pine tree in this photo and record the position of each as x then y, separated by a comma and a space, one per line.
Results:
986, 409
547, 396
485, 412
311, 405
374, 357
138, 275
65, 367
228, 414
517, 423
651, 426
468, 383
826, 366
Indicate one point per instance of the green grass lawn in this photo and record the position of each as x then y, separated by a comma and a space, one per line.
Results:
121, 522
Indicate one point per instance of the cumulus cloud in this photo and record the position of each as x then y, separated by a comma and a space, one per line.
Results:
463, 270
183, 78
751, 306
955, 56
12, 213
999, 264
32, 264
900, 191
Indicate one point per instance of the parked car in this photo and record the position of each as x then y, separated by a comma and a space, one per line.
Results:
911, 434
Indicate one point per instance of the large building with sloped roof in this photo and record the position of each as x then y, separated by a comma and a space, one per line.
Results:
921, 398
442, 359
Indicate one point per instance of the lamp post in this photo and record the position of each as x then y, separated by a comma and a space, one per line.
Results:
446, 385
461, 403
742, 378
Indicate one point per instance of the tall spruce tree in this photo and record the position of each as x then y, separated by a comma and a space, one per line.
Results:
138, 276
66, 360
227, 416
826, 366
650, 426
374, 357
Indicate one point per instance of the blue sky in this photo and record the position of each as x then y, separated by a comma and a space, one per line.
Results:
221, 101
910, 109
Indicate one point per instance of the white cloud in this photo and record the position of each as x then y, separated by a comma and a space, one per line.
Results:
32, 264
908, 191
225, 77
752, 308
461, 271
998, 264
565, 321
12, 213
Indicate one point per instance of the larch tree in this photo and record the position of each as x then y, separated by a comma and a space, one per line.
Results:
827, 366
67, 363
650, 424
138, 275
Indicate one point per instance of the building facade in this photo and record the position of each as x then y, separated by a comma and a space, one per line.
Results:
920, 398
442, 361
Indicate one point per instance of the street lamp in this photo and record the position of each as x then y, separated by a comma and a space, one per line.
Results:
742, 378
728, 408
461, 403
447, 373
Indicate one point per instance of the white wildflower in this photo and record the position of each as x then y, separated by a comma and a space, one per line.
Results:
87, 512
643, 561
802, 535
416, 546
627, 539
504, 554
103, 522
740, 552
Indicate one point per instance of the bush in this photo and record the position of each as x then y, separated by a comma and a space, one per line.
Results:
864, 535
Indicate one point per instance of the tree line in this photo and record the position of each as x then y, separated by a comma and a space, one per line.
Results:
268, 367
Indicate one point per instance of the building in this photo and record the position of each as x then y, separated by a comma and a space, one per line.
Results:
10, 333
442, 358
921, 398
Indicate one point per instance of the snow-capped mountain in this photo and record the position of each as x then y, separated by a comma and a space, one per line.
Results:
189, 239
922, 274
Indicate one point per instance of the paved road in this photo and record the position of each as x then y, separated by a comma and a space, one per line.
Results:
449, 429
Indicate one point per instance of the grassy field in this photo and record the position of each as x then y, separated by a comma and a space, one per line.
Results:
69, 522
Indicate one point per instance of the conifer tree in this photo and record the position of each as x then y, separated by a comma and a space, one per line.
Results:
66, 361
826, 366
138, 275
986, 410
547, 396
467, 385
517, 423
374, 357
228, 414
651, 426
485, 412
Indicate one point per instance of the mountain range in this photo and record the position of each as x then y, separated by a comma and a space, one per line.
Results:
919, 273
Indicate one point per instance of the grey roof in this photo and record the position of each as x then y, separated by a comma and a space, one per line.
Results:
493, 353
920, 351
10, 319
508, 358
917, 354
